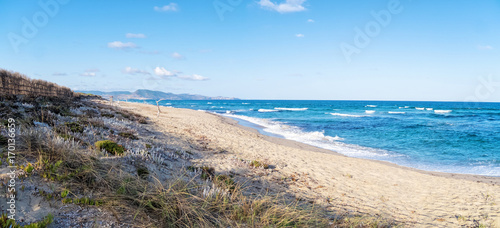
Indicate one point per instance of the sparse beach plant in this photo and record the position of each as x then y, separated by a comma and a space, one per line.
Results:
128, 135
110, 147
74, 127
258, 164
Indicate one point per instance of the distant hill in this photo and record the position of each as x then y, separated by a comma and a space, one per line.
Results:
144, 94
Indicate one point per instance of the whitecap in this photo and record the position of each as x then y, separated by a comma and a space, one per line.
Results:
396, 112
344, 115
291, 109
442, 111
371, 106
268, 110
417, 108
369, 111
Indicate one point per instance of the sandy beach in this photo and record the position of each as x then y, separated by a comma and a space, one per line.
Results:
342, 184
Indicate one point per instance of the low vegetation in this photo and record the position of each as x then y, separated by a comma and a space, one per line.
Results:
110, 147
130, 186
10, 223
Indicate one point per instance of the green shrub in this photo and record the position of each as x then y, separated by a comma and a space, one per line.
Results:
29, 168
109, 115
225, 181
110, 147
64, 193
258, 164
74, 127
11, 223
148, 146
128, 135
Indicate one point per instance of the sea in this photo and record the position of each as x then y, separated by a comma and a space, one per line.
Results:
452, 137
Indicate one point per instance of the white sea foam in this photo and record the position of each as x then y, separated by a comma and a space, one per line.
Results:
345, 115
371, 106
429, 109
209, 102
442, 111
417, 108
315, 138
245, 103
291, 109
268, 110
396, 112
369, 111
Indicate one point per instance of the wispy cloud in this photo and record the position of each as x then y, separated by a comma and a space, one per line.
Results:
177, 56
59, 74
133, 71
310, 21
162, 72
169, 7
121, 45
194, 77
484, 47
289, 6
299, 35
90, 72
135, 35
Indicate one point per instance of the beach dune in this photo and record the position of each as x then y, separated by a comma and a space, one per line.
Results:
341, 184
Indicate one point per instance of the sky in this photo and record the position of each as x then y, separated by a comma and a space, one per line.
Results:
260, 49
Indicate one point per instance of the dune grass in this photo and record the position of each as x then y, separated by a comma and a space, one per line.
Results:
138, 197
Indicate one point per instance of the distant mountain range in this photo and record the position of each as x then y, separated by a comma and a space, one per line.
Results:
143, 94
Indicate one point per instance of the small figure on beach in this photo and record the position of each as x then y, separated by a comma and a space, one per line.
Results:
158, 106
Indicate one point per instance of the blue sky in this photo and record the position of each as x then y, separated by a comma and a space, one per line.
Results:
260, 49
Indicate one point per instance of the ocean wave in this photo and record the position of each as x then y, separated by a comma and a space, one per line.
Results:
268, 110
245, 103
345, 115
396, 112
429, 109
369, 111
371, 106
417, 108
316, 138
291, 109
442, 111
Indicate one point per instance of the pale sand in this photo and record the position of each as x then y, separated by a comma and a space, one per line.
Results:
343, 184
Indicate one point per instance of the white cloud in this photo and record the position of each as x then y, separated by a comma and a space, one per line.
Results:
59, 74
169, 7
88, 74
289, 6
135, 35
310, 21
485, 47
121, 45
194, 77
132, 71
161, 71
299, 35
177, 56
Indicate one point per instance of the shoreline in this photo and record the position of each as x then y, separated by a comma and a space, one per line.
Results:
304, 146
341, 184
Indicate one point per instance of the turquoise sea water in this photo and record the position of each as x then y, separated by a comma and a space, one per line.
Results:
436, 136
